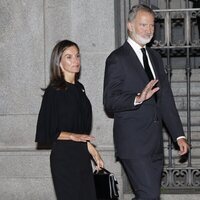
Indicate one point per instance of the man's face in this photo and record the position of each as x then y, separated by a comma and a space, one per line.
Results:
142, 28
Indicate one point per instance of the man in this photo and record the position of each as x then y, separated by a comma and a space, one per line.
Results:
140, 98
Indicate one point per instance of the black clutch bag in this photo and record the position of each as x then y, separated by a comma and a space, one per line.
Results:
106, 185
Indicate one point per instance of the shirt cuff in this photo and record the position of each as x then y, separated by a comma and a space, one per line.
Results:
180, 137
137, 103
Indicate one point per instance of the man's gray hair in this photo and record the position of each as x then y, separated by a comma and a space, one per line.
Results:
135, 9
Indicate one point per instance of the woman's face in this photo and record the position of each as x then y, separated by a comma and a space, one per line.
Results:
70, 60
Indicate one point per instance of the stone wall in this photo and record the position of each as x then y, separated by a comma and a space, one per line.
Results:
28, 32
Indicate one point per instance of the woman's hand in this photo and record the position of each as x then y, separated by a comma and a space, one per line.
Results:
75, 137
96, 156
81, 137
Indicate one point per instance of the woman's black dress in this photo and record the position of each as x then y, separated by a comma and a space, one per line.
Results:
67, 110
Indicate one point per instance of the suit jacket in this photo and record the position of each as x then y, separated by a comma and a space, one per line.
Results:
138, 129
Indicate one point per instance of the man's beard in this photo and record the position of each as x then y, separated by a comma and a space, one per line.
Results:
141, 40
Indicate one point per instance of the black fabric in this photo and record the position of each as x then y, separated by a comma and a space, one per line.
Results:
105, 185
146, 65
147, 68
72, 171
63, 110
145, 181
138, 128
67, 110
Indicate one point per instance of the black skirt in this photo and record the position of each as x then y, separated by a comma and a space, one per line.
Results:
72, 171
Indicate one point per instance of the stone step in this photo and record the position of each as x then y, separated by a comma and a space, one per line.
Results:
179, 82
31, 188
170, 191
179, 163
194, 143
180, 88
181, 102
182, 162
169, 197
27, 163
195, 129
195, 152
178, 75
195, 117
195, 135
25, 174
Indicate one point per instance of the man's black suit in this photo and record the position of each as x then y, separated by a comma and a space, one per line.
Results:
138, 128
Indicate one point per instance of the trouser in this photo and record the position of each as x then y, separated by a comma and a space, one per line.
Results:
144, 175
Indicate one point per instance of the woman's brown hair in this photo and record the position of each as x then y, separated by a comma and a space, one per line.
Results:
56, 76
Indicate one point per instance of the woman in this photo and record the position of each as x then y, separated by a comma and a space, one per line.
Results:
64, 121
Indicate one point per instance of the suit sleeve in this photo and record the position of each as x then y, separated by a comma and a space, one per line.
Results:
46, 130
115, 97
169, 111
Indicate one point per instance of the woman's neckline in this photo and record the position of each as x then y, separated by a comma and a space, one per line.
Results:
71, 83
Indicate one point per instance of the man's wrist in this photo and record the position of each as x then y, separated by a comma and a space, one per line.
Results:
136, 101
180, 137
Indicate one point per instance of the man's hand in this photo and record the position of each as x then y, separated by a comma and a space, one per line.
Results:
147, 92
183, 145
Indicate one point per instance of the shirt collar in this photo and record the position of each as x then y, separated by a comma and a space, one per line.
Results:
136, 47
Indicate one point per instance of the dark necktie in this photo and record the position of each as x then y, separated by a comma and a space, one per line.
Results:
147, 68
146, 64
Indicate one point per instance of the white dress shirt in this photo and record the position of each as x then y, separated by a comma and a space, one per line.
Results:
137, 48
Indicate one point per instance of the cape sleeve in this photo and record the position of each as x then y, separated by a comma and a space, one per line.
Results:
47, 124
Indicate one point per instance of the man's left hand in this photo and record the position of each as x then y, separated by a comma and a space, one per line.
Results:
183, 145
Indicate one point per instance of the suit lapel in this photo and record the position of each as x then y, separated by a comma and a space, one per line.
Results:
152, 59
155, 68
135, 62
